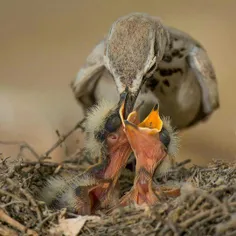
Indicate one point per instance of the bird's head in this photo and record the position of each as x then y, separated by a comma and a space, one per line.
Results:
104, 127
152, 139
134, 46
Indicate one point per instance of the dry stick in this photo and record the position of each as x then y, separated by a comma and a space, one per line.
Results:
51, 164
3, 192
202, 215
3, 161
223, 227
202, 196
29, 198
23, 145
165, 230
186, 224
173, 227
179, 165
15, 224
182, 163
10, 203
63, 145
212, 198
62, 139
202, 222
197, 203
5, 230
41, 224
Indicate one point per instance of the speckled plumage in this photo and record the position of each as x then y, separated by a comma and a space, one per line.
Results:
183, 79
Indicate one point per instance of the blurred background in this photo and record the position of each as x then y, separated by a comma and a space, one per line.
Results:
44, 43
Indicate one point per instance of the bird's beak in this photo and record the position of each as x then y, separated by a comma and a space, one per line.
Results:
145, 141
153, 120
132, 116
129, 99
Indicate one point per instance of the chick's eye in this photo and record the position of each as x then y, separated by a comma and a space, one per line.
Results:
165, 137
113, 123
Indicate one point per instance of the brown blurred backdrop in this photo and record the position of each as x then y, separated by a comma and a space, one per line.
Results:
44, 43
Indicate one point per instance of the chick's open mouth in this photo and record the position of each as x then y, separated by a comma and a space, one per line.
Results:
149, 151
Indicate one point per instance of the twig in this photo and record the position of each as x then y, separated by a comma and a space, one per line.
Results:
15, 224
197, 203
10, 203
62, 139
29, 198
223, 227
6, 231
51, 164
197, 217
23, 145
63, 144
3, 192
178, 166
173, 227
3, 161
202, 222
202, 215
165, 230
182, 163
212, 198
41, 224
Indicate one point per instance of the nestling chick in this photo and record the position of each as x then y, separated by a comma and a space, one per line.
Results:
97, 186
150, 144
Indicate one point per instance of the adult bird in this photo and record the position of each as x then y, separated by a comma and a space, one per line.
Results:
157, 63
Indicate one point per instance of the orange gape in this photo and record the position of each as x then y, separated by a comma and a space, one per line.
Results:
149, 151
104, 193
144, 140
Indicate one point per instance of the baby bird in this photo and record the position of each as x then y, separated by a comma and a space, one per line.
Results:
97, 186
151, 143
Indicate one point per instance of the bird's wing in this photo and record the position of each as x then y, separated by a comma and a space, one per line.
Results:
85, 82
203, 70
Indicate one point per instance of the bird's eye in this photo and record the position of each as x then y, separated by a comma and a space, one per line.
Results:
165, 137
113, 123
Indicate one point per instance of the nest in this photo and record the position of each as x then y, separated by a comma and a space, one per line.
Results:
207, 205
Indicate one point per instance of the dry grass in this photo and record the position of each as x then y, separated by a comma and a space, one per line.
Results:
207, 205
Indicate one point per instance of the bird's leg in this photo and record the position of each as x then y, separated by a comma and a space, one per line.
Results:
141, 191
